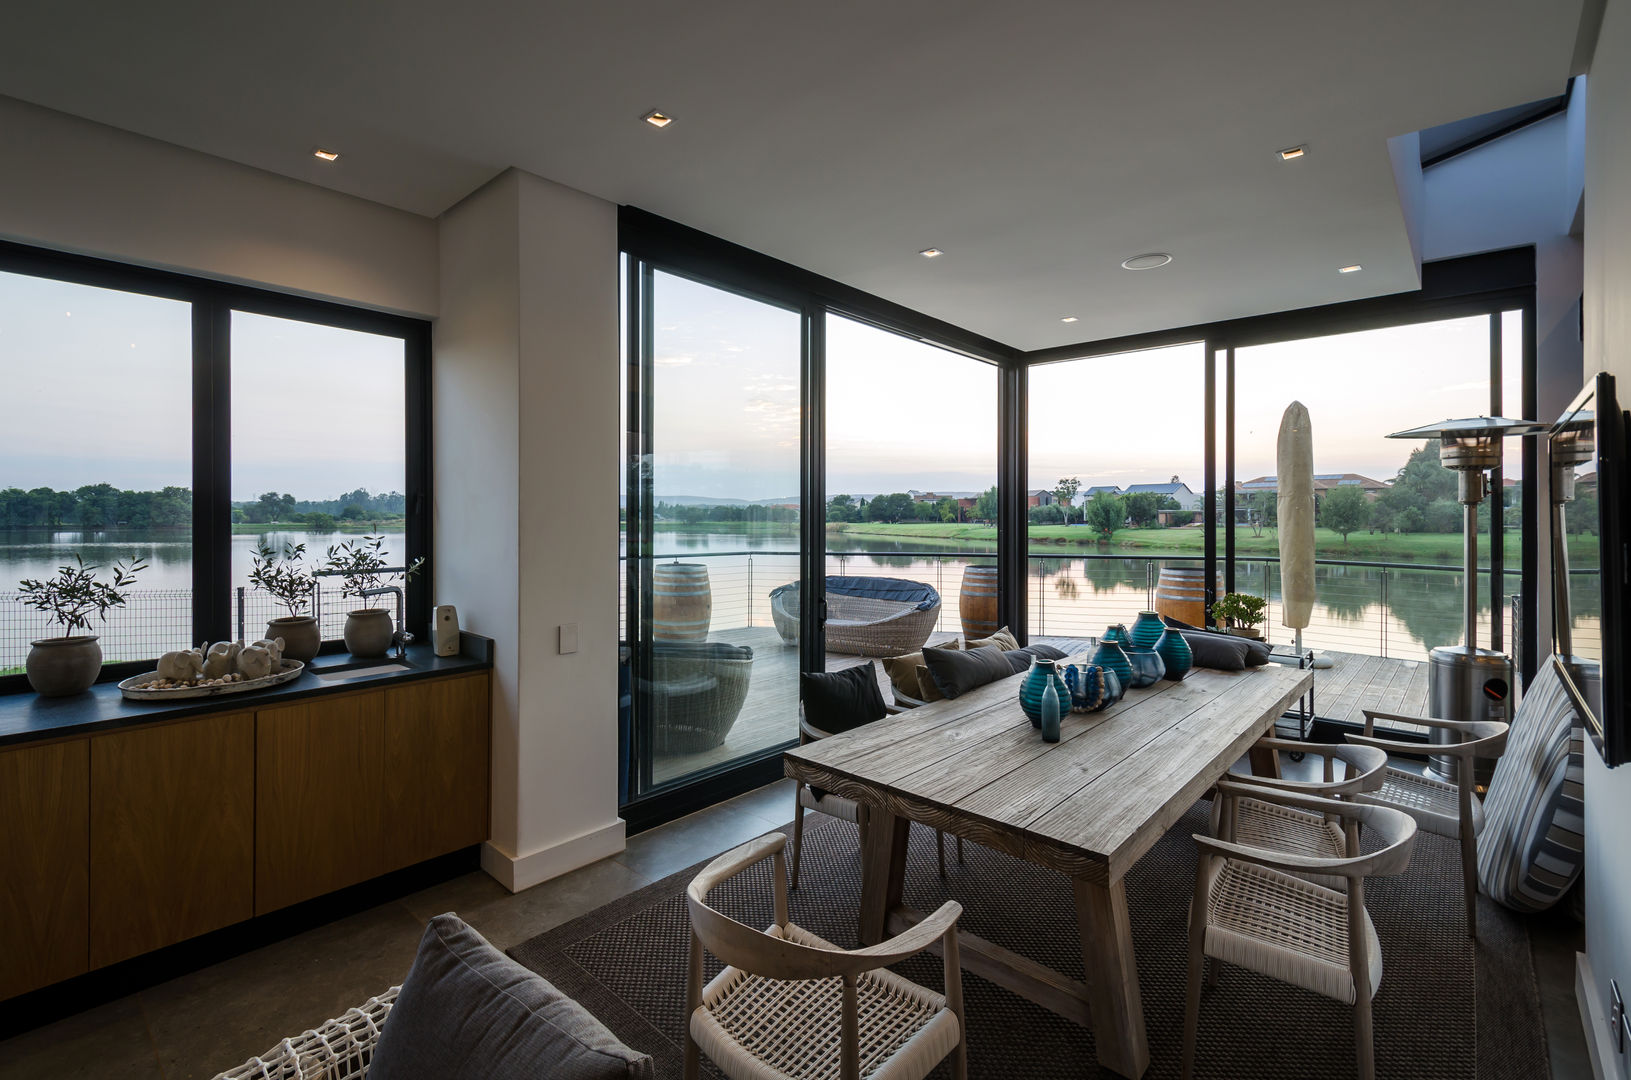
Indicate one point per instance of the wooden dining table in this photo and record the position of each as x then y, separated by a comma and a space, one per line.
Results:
1089, 806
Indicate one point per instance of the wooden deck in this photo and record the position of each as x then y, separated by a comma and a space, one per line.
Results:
769, 716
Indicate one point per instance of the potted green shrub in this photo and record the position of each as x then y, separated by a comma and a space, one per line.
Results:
282, 578
60, 666
1239, 614
368, 629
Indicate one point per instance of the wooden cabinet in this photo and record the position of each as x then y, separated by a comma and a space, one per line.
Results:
319, 815
172, 833
44, 860
435, 768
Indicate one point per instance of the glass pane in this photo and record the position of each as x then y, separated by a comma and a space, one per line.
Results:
911, 482
1512, 497
1117, 485
96, 458
1389, 536
723, 678
318, 454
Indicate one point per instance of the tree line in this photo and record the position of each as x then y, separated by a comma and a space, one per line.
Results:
899, 506
103, 506
358, 505
695, 514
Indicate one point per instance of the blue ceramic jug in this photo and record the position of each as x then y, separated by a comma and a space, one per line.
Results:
1175, 653
1147, 629
1109, 655
1041, 674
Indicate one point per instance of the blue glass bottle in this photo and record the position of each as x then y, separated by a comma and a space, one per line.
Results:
1050, 713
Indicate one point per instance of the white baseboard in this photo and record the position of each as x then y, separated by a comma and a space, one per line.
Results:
517, 872
1594, 1018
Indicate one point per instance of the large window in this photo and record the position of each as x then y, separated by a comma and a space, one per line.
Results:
1117, 485
911, 466
179, 422
96, 457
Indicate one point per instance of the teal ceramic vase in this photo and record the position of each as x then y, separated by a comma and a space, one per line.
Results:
1174, 652
1110, 656
1036, 680
1147, 629
1147, 667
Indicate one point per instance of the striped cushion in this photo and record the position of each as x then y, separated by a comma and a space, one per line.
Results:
1530, 851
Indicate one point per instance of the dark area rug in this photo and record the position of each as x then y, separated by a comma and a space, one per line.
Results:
1447, 1008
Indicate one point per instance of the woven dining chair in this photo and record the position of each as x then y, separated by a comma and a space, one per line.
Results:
791, 1004
1451, 810
1347, 770
1255, 908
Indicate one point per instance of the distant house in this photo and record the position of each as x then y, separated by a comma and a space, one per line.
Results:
1323, 482
1096, 488
1039, 497
1179, 492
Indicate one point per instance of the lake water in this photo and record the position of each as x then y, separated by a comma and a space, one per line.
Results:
1364, 609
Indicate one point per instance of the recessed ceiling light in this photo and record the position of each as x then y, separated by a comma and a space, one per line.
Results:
931, 253
1354, 269
657, 119
326, 155
1146, 262
1292, 153
1069, 318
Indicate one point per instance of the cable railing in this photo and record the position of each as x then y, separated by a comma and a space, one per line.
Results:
1387, 609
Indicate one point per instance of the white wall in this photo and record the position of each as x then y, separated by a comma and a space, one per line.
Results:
79, 186
526, 361
1608, 348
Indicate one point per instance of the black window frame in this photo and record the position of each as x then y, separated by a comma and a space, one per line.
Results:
212, 303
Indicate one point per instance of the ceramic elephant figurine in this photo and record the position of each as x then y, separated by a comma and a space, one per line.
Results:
222, 659
275, 647
255, 662
184, 665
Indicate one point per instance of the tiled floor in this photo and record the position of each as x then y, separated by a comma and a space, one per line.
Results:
215, 1018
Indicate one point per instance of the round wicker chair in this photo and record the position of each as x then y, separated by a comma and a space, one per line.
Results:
697, 690
866, 616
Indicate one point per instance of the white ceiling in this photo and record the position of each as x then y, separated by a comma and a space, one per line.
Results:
1038, 142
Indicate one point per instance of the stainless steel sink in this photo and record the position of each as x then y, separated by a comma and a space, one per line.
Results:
361, 670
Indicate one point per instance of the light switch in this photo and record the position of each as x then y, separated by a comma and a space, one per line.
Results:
569, 638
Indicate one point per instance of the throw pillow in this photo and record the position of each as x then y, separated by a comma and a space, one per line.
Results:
925, 682
1020, 659
1257, 652
1532, 848
466, 1011
1002, 639
1218, 651
957, 672
836, 701
902, 672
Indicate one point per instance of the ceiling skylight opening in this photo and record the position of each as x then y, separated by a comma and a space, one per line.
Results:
1292, 153
657, 119
1150, 261
1069, 318
931, 253
326, 155
1351, 268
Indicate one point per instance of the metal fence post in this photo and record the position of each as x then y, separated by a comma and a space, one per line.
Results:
750, 590
1384, 612
241, 613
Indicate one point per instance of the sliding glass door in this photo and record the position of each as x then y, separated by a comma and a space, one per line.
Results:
711, 529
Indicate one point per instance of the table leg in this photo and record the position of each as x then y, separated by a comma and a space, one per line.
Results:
1264, 762
1114, 1001
883, 872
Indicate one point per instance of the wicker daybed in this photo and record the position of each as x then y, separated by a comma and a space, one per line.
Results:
697, 689
866, 616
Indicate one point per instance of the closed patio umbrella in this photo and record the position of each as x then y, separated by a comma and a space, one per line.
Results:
1295, 482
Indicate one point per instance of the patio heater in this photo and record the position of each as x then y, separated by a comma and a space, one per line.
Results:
1465, 682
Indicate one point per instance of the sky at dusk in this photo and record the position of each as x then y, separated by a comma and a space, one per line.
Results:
99, 390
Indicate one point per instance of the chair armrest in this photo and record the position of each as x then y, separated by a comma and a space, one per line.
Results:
908, 702
1471, 732
1396, 828
810, 731
914, 940
735, 861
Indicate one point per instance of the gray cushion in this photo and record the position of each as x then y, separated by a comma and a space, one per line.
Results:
1222, 652
1532, 847
1020, 659
467, 1011
957, 671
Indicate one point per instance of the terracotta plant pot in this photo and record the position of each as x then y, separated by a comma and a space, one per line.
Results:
60, 667
301, 638
368, 632
1245, 632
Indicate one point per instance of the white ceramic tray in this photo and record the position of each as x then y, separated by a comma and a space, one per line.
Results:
136, 687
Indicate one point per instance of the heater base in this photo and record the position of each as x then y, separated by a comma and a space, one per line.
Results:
1463, 686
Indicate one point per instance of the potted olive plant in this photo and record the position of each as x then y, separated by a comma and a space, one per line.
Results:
368, 629
60, 666
282, 578
1239, 614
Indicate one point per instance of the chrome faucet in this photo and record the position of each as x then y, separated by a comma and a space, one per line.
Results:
401, 638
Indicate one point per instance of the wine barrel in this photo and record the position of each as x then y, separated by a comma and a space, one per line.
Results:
1180, 594
682, 602
977, 601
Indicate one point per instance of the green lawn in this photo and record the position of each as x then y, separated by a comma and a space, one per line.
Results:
1442, 548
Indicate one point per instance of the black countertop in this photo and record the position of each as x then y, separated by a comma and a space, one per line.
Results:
27, 717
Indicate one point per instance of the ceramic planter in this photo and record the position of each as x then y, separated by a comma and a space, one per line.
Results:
60, 667
1174, 651
1036, 680
301, 638
368, 633
1109, 655
1147, 629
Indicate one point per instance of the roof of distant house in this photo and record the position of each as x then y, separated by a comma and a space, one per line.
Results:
1322, 482
1096, 488
1159, 489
